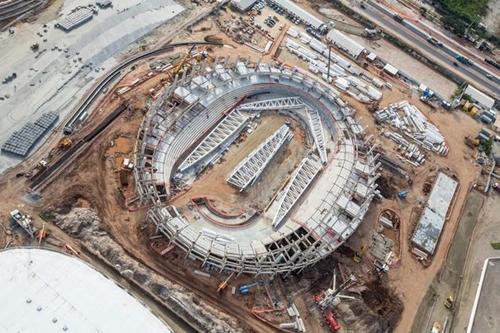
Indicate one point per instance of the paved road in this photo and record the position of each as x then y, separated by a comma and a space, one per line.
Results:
407, 31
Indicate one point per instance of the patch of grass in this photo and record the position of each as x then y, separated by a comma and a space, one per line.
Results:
458, 14
495, 245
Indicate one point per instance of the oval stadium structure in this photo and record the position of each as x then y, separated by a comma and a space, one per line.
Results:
205, 119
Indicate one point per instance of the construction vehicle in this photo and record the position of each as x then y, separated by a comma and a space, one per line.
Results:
359, 255
224, 283
463, 59
331, 321
448, 303
331, 295
24, 221
436, 327
402, 195
64, 143
470, 142
182, 65
245, 288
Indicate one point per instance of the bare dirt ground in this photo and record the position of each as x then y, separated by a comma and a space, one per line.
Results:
409, 272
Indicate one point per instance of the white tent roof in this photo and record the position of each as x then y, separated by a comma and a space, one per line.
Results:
391, 69
45, 291
480, 97
300, 12
342, 41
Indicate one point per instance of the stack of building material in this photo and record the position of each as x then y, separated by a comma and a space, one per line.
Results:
408, 150
338, 71
75, 19
21, 142
413, 125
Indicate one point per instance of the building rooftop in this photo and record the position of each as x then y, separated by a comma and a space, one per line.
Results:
431, 222
481, 98
345, 43
47, 291
301, 13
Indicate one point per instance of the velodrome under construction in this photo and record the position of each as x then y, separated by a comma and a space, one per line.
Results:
203, 117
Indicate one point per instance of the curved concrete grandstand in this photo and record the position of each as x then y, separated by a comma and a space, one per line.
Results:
258, 138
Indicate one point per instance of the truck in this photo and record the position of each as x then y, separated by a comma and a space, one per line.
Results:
332, 322
397, 18
24, 221
463, 59
434, 41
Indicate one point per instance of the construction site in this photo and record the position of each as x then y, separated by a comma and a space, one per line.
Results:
248, 167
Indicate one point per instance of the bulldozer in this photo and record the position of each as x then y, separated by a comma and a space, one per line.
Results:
470, 142
64, 143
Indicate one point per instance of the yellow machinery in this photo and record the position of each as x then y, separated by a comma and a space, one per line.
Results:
224, 283
448, 303
65, 143
359, 255
180, 66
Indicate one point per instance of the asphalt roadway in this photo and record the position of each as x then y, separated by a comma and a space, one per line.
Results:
412, 35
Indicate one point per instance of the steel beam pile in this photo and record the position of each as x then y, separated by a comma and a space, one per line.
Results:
248, 170
301, 179
319, 136
414, 125
231, 125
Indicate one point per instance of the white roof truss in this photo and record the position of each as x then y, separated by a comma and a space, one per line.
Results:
233, 123
301, 179
319, 136
247, 171
273, 104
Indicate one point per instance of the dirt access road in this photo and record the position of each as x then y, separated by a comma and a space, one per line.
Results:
487, 230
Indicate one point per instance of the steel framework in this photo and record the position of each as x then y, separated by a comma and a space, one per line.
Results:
300, 180
228, 128
319, 136
273, 104
248, 170
334, 210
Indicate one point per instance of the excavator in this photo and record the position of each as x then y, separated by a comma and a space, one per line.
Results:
359, 255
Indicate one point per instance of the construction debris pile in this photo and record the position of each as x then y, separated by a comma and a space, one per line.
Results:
412, 126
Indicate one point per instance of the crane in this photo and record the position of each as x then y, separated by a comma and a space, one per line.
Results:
181, 63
